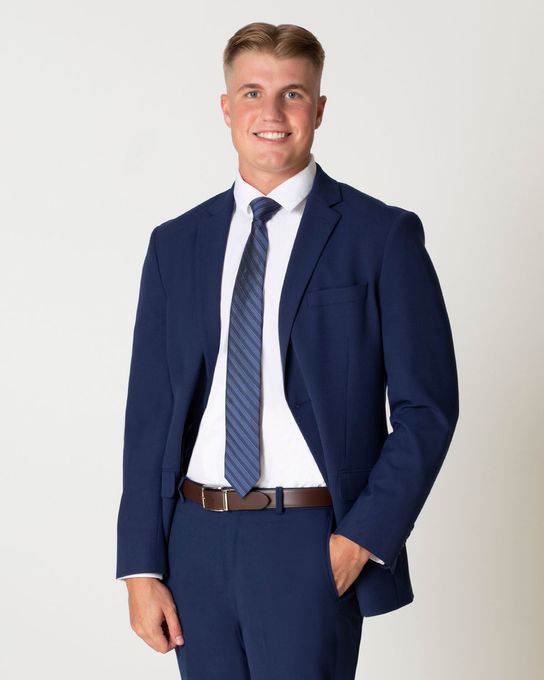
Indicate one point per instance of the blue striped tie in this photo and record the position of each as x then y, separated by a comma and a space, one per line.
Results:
243, 392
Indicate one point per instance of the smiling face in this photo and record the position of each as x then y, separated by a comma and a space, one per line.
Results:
270, 95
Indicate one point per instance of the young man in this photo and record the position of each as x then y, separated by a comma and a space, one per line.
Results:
265, 508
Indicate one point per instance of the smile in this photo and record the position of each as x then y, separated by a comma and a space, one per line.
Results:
272, 136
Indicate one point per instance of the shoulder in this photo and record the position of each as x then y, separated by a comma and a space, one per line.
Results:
184, 225
371, 207
375, 216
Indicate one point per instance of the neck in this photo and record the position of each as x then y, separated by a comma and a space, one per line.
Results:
265, 181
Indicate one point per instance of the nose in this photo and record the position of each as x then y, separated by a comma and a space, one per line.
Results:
272, 109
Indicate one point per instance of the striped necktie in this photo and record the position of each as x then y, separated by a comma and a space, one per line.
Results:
243, 390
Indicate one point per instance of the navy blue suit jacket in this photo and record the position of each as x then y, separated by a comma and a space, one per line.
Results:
361, 308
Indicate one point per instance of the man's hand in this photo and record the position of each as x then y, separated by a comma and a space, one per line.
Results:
347, 561
153, 613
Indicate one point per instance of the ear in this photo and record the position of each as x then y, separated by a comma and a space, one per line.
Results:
320, 107
225, 108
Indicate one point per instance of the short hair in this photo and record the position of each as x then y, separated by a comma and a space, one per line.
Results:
282, 41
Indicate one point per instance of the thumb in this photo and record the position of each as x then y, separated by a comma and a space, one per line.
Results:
174, 627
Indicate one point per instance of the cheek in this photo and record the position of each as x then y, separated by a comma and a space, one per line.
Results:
243, 113
303, 121
243, 123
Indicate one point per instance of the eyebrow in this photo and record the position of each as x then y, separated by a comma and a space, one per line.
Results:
291, 86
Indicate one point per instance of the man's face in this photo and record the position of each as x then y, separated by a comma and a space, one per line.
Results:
267, 94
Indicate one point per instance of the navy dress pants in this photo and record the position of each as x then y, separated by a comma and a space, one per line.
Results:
256, 597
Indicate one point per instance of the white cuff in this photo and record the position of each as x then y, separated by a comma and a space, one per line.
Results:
122, 578
376, 559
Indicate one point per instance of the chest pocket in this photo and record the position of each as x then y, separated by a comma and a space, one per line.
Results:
337, 295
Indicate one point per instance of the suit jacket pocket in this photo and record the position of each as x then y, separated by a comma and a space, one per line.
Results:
329, 296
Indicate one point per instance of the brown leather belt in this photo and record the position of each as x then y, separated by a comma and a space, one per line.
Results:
222, 498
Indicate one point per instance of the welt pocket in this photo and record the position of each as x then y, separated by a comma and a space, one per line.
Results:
330, 296
353, 481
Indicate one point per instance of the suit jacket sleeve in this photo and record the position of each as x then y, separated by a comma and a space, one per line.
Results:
422, 390
141, 547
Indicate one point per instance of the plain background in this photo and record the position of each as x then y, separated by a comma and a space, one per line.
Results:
111, 125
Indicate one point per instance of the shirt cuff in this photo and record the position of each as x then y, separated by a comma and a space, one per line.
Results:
122, 578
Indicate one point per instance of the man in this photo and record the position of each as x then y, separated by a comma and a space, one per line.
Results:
270, 321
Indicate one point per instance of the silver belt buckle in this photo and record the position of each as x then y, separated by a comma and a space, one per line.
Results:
219, 487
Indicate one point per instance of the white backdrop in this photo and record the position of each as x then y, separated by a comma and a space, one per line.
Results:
110, 125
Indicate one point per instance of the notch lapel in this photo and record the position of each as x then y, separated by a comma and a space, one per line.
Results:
316, 225
211, 244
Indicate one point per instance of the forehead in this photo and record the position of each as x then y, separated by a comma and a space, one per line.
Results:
268, 70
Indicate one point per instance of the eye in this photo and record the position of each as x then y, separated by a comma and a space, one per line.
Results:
293, 92
250, 92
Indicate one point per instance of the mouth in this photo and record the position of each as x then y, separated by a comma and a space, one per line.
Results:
272, 136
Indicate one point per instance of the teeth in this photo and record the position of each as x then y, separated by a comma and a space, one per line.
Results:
272, 135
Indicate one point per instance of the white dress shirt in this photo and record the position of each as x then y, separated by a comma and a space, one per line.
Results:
286, 459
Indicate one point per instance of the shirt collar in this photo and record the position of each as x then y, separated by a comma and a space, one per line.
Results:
288, 194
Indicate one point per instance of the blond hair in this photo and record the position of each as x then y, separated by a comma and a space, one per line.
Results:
282, 41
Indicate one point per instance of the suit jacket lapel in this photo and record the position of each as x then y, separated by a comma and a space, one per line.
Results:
211, 243
316, 225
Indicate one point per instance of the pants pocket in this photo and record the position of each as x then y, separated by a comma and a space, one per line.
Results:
328, 564
327, 558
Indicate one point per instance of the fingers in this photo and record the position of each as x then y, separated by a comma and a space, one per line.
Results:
156, 633
346, 565
153, 616
150, 629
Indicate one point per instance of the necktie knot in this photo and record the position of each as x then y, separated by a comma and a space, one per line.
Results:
264, 208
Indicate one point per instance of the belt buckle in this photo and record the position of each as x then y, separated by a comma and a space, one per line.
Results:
219, 487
